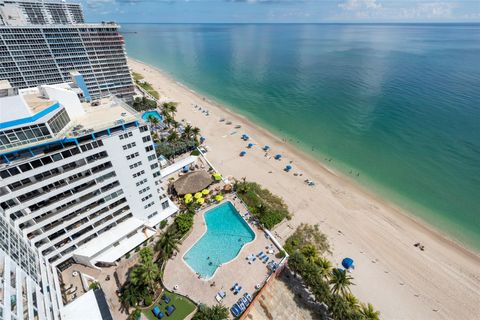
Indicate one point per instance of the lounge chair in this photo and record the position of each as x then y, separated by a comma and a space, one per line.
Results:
234, 286
265, 260
165, 298
245, 301
235, 310
237, 290
248, 296
241, 305
260, 254
170, 310
220, 295
160, 315
156, 311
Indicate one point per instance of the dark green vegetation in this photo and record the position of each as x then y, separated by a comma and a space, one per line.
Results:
175, 143
138, 78
143, 281
329, 285
211, 313
268, 208
183, 307
144, 104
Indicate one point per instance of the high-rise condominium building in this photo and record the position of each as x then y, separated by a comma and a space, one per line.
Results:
42, 42
23, 12
82, 182
28, 284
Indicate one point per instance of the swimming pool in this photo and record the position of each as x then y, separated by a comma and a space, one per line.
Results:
155, 114
226, 234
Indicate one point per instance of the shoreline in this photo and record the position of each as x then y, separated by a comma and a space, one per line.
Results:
440, 234
356, 203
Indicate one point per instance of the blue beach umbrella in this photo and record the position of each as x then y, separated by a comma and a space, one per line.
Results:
347, 263
185, 169
288, 168
202, 139
278, 156
243, 153
266, 148
250, 145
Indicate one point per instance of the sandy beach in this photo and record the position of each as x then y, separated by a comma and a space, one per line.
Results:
403, 282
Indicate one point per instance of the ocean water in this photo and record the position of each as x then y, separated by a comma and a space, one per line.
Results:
226, 234
395, 107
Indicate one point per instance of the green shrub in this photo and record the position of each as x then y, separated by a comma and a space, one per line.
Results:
268, 208
147, 300
307, 235
184, 222
195, 153
163, 224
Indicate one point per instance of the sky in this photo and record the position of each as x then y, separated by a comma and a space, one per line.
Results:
281, 11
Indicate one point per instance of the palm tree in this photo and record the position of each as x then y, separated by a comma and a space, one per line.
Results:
325, 267
150, 274
130, 297
340, 281
352, 301
187, 131
153, 120
217, 312
195, 132
172, 136
167, 244
310, 252
369, 313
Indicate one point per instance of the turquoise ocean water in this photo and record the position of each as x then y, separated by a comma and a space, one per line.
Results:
397, 104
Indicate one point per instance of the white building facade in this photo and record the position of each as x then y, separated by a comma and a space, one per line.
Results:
28, 285
81, 182
42, 42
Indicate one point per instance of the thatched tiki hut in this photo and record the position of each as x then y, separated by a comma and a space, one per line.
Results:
192, 182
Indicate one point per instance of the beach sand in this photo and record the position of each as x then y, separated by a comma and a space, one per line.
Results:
400, 280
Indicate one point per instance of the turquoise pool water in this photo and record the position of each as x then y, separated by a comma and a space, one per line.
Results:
226, 234
155, 114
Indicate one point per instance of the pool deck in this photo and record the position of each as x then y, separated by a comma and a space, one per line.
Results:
177, 273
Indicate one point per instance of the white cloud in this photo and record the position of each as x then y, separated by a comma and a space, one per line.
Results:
360, 5
430, 10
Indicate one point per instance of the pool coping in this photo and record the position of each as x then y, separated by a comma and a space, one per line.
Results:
206, 230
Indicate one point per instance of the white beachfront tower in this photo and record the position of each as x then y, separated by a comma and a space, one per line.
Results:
42, 42
81, 182
28, 289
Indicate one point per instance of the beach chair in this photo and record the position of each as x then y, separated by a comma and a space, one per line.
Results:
265, 260
156, 311
220, 295
170, 310
241, 305
166, 299
234, 286
245, 301
248, 296
160, 315
235, 310
237, 290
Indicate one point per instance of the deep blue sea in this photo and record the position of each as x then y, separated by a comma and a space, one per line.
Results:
397, 104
